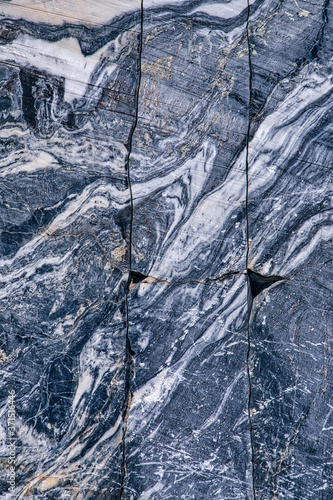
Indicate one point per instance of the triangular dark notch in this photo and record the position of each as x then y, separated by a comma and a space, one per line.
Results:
136, 277
258, 282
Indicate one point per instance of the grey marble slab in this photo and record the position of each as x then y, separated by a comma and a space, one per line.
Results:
188, 429
166, 250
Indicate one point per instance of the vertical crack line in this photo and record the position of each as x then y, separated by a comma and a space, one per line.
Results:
129, 365
249, 294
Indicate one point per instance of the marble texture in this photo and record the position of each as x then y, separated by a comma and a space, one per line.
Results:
166, 249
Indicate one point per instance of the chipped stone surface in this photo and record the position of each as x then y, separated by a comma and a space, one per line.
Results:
166, 250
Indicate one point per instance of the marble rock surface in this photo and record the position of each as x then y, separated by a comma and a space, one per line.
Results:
166, 249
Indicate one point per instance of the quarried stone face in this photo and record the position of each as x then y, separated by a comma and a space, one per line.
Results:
166, 250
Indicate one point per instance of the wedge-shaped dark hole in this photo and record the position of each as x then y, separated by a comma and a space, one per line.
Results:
258, 282
136, 277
